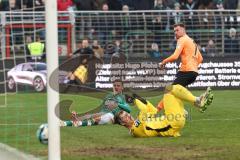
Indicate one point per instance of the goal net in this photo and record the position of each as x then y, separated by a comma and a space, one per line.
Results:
23, 101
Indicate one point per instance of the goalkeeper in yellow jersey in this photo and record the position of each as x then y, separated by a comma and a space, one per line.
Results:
170, 124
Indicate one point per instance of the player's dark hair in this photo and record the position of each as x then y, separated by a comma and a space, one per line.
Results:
118, 80
119, 118
179, 24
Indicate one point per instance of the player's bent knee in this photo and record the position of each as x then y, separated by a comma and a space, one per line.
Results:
107, 118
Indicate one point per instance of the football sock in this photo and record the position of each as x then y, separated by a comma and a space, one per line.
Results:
182, 93
86, 122
160, 106
68, 123
197, 100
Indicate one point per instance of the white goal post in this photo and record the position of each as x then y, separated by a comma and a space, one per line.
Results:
52, 95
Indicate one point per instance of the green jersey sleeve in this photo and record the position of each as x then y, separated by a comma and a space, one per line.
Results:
120, 99
122, 104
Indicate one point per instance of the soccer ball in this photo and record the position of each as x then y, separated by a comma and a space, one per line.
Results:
42, 133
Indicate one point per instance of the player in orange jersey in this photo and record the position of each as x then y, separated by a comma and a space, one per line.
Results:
190, 56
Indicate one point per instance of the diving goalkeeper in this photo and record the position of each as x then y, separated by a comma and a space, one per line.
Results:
112, 104
170, 124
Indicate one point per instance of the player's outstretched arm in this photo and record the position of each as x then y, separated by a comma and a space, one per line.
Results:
125, 107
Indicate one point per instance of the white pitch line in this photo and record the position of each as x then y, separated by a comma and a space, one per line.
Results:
20, 124
224, 119
10, 153
36, 124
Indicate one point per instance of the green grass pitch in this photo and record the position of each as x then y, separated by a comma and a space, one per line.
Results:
210, 135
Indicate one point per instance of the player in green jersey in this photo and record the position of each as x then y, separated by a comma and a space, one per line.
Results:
112, 104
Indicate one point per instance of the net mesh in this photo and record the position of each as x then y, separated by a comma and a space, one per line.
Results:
22, 108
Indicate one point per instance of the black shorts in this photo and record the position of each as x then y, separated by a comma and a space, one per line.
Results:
185, 78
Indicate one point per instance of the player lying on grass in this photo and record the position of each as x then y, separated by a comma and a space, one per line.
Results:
112, 104
148, 124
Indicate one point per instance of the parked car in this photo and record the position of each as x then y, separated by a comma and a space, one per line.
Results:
30, 73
